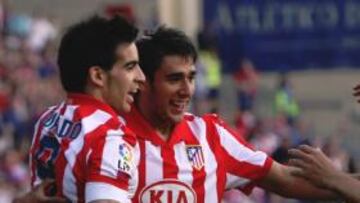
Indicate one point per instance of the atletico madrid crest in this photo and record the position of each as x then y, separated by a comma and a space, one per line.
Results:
195, 156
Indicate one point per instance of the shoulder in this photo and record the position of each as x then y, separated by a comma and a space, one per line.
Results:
114, 127
91, 117
46, 111
206, 124
209, 116
213, 118
206, 119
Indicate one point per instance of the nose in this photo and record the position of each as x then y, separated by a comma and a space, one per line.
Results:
140, 77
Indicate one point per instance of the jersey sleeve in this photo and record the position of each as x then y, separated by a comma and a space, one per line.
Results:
111, 169
244, 165
43, 151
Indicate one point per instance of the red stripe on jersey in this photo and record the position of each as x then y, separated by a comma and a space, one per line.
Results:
129, 136
141, 169
104, 179
245, 169
170, 168
214, 140
199, 176
60, 167
63, 108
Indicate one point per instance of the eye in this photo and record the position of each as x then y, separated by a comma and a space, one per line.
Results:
174, 78
192, 78
131, 65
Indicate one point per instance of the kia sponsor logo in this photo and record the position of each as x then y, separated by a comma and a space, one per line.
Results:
167, 191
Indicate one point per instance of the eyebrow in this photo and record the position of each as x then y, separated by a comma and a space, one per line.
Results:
180, 74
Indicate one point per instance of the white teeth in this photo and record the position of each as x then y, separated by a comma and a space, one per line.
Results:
179, 104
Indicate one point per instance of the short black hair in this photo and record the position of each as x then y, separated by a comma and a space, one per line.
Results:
92, 42
163, 42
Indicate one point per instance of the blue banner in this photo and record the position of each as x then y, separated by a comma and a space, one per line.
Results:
283, 35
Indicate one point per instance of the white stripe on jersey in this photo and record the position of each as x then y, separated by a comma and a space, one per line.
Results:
198, 127
152, 165
112, 143
134, 181
99, 117
69, 184
235, 181
185, 167
96, 190
237, 150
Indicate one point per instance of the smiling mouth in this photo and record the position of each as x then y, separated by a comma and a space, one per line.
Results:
179, 107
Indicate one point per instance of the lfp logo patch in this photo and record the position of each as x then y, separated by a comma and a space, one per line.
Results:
125, 158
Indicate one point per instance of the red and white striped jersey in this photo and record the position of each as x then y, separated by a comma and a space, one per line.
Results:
85, 146
202, 159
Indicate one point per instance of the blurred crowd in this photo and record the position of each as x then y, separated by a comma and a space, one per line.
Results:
29, 83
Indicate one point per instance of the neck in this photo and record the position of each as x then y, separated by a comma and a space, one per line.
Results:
96, 93
165, 131
163, 127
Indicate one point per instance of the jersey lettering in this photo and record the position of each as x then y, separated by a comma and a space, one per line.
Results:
67, 128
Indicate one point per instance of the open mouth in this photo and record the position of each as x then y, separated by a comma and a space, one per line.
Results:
178, 106
131, 96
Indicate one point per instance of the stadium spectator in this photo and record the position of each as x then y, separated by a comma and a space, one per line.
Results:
208, 57
285, 102
247, 79
42, 31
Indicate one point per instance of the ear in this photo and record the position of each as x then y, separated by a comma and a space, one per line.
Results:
97, 76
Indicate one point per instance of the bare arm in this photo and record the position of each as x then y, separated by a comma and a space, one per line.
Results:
318, 169
281, 180
37, 195
355, 175
356, 93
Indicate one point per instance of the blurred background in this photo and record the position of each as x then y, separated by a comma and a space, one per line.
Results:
280, 72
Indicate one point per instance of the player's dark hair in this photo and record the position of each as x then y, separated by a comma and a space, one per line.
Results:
163, 42
92, 42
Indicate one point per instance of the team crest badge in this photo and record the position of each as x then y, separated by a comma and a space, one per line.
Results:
195, 156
